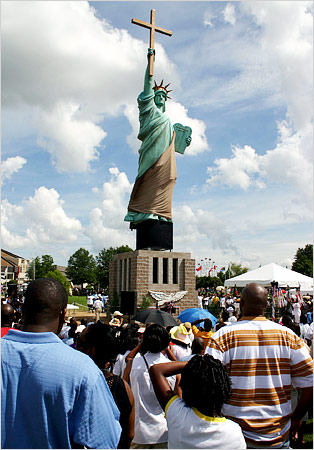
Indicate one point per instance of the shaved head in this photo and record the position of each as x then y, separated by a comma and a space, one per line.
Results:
44, 299
7, 313
198, 345
253, 300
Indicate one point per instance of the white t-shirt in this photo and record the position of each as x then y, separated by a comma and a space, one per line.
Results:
296, 312
188, 428
120, 364
80, 328
90, 300
98, 304
180, 352
150, 425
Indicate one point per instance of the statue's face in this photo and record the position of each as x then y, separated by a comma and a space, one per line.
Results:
160, 99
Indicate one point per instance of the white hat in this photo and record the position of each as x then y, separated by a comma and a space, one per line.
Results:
117, 313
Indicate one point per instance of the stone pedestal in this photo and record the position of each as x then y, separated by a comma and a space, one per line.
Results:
144, 270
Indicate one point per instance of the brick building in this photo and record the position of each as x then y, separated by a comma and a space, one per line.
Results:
144, 270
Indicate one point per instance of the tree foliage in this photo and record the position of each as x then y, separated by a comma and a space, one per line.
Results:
81, 267
235, 269
303, 261
57, 275
39, 267
102, 263
207, 282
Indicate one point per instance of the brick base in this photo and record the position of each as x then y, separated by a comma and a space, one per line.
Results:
145, 270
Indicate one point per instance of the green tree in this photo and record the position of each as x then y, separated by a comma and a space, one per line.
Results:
102, 263
303, 261
33, 268
46, 265
57, 275
207, 282
39, 267
81, 267
235, 269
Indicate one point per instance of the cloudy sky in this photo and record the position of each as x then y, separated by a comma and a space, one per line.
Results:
241, 74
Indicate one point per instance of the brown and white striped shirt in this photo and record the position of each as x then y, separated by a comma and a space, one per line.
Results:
263, 359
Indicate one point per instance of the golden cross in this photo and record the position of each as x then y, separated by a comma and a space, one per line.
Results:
152, 27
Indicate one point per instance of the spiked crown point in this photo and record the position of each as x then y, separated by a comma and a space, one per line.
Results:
163, 88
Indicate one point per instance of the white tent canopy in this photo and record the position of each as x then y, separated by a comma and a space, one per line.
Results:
272, 272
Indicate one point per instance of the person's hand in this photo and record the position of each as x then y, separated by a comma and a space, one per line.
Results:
188, 141
151, 51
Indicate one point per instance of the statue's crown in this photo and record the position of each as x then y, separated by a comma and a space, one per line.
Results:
163, 88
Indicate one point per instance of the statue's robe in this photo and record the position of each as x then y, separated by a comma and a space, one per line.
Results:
151, 197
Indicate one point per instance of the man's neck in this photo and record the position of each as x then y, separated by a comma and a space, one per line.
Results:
34, 328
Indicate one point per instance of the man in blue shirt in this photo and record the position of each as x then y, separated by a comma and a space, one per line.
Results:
52, 396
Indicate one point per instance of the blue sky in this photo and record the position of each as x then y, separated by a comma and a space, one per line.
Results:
241, 74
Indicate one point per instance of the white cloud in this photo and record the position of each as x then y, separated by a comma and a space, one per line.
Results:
71, 142
201, 226
42, 220
289, 163
80, 69
11, 166
237, 170
287, 38
229, 14
106, 226
209, 16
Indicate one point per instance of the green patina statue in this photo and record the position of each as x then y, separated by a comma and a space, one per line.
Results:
151, 197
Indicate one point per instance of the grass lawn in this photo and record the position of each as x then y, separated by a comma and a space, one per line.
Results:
78, 300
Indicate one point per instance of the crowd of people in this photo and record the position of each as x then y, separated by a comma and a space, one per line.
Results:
244, 383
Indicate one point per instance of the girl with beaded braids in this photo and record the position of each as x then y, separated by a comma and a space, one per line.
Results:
195, 421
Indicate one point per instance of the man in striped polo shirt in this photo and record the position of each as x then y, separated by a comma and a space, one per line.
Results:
263, 360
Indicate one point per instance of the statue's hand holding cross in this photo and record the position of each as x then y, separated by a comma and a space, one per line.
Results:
152, 27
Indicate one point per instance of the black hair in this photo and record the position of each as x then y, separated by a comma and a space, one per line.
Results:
103, 338
205, 385
71, 332
127, 339
303, 318
45, 298
208, 325
224, 315
155, 339
287, 321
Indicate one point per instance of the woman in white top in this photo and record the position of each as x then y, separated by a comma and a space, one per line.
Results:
150, 428
195, 421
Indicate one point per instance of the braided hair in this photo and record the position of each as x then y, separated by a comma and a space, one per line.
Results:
205, 385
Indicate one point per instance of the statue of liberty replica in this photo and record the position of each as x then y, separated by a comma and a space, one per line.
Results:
150, 205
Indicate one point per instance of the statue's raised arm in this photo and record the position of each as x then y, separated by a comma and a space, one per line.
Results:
148, 80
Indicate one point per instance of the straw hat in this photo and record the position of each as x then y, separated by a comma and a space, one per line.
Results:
114, 322
180, 333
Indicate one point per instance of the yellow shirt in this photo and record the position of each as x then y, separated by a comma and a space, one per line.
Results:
205, 335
